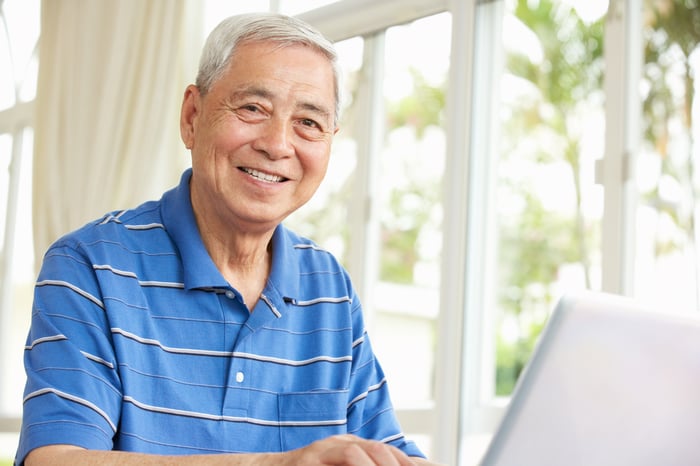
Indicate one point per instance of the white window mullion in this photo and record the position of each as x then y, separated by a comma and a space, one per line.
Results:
453, 293
11, 423
623, 63
363, 259
481, 410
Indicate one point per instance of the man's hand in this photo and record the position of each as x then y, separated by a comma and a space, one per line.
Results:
348, 450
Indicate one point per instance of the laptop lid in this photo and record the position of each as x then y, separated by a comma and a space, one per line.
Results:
609, 383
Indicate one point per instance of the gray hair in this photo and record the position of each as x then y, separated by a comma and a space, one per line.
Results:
259, 27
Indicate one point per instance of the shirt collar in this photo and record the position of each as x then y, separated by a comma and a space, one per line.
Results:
199, 269
178, 217
285, 272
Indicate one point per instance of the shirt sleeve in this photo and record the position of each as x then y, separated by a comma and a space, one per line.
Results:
370, 411
72, 394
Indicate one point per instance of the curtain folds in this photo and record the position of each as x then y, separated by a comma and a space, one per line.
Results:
111, 79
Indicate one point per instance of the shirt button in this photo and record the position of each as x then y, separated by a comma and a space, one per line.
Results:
230, 294
240, 377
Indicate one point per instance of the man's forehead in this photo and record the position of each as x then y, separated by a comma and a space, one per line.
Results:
250, 73
302, 99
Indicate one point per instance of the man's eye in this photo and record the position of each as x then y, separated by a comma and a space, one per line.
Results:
310, 129
310, 123
250, 108
251, 112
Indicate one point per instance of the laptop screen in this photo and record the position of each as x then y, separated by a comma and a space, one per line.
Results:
609, 383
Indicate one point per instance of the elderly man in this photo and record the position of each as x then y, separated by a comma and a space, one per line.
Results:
197, 329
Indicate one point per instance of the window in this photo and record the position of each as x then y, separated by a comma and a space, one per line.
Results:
595, 184
667, 236
19, 31
548, 207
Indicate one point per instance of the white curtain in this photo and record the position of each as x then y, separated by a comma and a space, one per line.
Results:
111, 79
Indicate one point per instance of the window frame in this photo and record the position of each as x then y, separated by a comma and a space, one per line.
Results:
13, 121
615, 172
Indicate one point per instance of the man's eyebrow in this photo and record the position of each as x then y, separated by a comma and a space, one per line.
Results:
252, 91
312, 107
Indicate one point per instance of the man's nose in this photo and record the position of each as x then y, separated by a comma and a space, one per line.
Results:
275, 139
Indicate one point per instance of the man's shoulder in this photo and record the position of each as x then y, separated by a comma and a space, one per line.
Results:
141, 224
309, 252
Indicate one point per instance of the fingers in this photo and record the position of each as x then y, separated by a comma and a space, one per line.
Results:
348, 450
383, 454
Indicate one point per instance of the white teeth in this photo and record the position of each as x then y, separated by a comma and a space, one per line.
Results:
263, 176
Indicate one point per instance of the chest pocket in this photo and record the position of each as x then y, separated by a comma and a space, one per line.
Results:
307, 417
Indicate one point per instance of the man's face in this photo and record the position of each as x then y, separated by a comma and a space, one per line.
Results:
261, 137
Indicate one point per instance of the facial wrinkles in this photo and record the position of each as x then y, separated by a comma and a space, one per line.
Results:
303, 106
294, 98
297, 88
225, 112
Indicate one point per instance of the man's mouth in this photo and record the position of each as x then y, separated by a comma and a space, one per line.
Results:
262, 175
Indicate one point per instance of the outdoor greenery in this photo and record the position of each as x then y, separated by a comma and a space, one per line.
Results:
412, 205
536, 243
537, 132
672, 38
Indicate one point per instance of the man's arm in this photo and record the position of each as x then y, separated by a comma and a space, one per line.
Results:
345, 450
58, 455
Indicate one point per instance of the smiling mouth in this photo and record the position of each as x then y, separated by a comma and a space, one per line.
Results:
262, 176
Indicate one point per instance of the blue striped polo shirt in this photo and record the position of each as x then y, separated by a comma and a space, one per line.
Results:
138, 343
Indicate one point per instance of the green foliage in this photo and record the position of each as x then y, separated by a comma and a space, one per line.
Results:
398, 256
410, 210
411, 204
422, 108
678, 21
532, 249
672, 35
536, 242
512, 358
573, 59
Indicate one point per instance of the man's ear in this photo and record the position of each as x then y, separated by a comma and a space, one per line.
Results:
188, 114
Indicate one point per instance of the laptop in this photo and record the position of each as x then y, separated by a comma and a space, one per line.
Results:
610, 383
